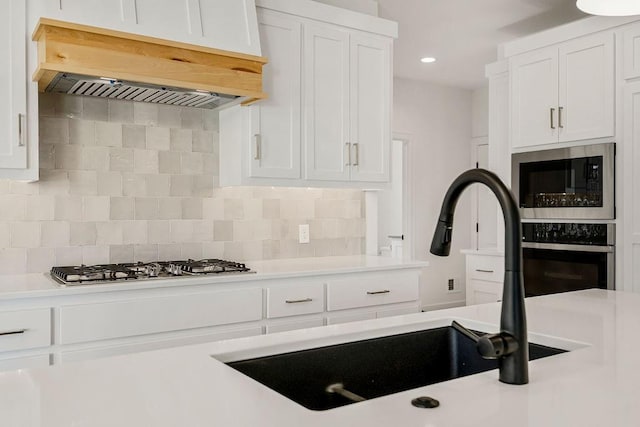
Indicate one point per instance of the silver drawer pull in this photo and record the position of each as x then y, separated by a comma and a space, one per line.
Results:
296, 301
16, 332
386, 291
479, 270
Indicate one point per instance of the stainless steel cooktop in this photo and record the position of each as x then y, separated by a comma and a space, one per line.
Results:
110, 273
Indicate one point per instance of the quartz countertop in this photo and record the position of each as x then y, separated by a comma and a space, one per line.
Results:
595, 384
42, 285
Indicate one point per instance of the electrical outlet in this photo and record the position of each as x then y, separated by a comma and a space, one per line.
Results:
303, 233
453, 285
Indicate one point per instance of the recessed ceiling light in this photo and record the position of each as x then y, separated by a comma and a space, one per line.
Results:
428, 59
610, 7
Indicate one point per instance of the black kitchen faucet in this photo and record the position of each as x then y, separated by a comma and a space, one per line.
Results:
509, 346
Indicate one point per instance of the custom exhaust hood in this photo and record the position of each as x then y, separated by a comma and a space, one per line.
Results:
83, 60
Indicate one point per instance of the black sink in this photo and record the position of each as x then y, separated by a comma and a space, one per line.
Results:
373, 368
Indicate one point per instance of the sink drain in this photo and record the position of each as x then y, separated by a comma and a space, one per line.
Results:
425, 402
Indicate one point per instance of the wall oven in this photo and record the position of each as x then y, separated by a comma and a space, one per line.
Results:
568, 183
562, 257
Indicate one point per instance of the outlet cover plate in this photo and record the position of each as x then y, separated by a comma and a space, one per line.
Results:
303, 233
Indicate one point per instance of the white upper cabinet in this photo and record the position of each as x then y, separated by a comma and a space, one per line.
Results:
563, 93
347, 95
13, 81
326, 121
326, 92
13, 74
631, 47
275, 122
222, 24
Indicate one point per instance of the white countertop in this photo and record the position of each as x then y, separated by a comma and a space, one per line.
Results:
42, 285
484, 251
596, 384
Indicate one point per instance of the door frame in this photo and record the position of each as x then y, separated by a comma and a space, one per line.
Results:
408, 214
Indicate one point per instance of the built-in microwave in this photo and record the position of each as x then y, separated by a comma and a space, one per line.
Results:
566, 183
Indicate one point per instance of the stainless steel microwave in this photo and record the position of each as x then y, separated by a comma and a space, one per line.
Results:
566, 183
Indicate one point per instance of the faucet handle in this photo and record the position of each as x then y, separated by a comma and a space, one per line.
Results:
490, 346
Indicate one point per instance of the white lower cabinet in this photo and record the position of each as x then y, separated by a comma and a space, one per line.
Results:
25, 336
485, 277
295, 299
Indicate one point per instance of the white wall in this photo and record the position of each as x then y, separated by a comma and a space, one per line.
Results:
438, 120
480, 112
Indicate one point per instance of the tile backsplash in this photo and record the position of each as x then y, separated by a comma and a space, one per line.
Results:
123, 181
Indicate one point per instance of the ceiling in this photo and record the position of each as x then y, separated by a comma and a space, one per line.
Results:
464, 34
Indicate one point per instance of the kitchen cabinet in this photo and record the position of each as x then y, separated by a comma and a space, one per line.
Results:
563, 92
295, 299
23, 333
347, 98
221, 24
631, 188
275, 122
13, 81
631, 48
327, 119
484, 277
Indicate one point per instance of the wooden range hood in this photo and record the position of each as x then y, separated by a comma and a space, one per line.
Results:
84, 60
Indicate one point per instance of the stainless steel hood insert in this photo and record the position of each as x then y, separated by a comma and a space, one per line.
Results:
102, 87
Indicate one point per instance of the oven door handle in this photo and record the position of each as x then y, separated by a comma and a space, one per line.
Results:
564, 247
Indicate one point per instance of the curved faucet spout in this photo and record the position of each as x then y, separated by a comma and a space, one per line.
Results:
513, 322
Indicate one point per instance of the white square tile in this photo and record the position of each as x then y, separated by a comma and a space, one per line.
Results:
134, 136
180, 140
134, 232
170, 208
13, 261
109, 233
121, 253
158, 232
158, 138
5, 234
13, 207
192, 118
82, 132
145, 114
192, 163
40, 208
120, 111
20, 187
95, 158
109, 134
181, 231
169, 116
55, 234
202, 141
134, 184
25, 234
212, 249
191, 250
40, 260
121, 159
169, 252
192, 208
83, 233
145, 161
54, 130
55, 182
109, 183
96, 208
95, 108
68, 208
83, 183
181, 185
68, 256
68, 157
95, 255
146, 208
121, 208
157, 185
169, 162
213, 208
203, 231
145, 253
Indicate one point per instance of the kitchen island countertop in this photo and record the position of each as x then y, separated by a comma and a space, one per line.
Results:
595, 384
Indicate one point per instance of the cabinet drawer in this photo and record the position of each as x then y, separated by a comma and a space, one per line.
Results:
481, 292
369, 290
294, 300
99, 321
489, 268
25, 329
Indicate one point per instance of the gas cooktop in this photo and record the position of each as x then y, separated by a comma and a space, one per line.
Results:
109, 273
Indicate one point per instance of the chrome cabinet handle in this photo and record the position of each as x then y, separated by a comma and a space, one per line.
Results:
296, 301
386, 291
258, 153
348, 146
551, 111
20, 131
479, 270
16, 332
560, 117
357, 156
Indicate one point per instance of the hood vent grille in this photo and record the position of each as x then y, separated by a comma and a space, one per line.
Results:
82, 60
75, 84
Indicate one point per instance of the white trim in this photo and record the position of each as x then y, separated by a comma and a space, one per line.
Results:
443, 305
333, 15
408, 212
564, 32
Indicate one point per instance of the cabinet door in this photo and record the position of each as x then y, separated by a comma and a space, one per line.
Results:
631, 47
13, 78
370, 98
631, 189
326, 95
534, 98
479, 292
586, 82
275, 122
